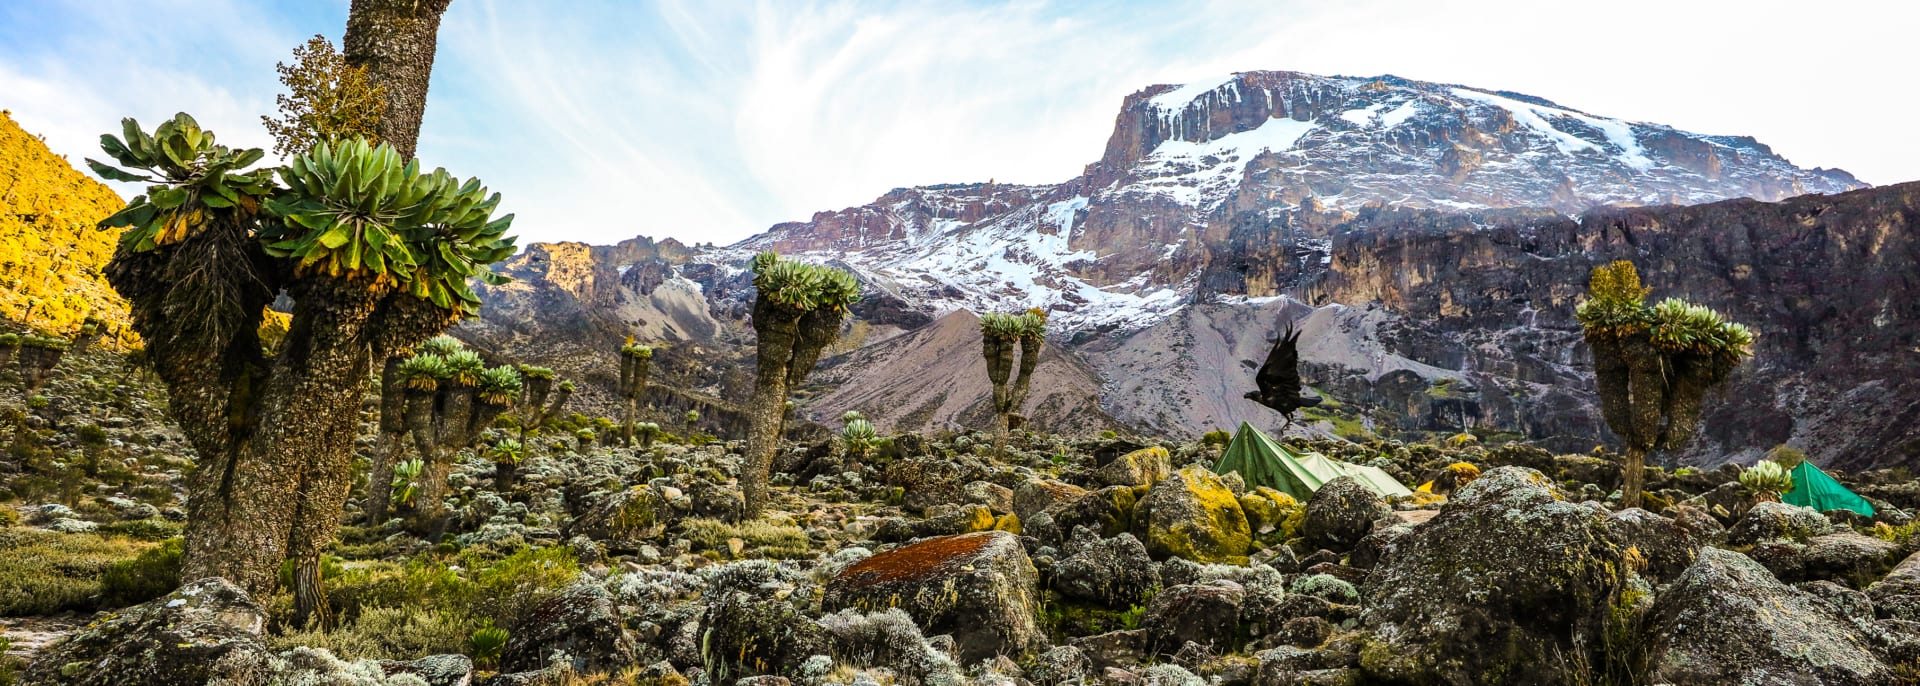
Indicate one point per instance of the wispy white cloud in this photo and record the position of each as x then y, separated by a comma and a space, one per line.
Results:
709, 121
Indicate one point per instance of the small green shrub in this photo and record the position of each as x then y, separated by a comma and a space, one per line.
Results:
391, 633
487, 643
1326, 587
156, 572
1216, 437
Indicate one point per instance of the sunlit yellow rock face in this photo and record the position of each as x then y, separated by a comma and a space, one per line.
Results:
51, 256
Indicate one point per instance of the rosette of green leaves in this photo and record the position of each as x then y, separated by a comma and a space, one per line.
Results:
358, 210
464, 368
1766, 477
424, 372
188, 174
637, 351
405, 487
1001, 326
507, 451
442, 345
532, 372
1683, 327
1032, 326
499, 385
802, 286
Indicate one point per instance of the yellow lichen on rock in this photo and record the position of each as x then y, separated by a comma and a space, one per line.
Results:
1193, 515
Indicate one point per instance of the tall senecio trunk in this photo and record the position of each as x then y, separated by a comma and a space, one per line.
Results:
393, 427
290, 469
1647, 390
396, 40
779, 332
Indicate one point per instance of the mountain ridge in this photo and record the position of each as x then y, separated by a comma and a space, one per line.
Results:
1175, 257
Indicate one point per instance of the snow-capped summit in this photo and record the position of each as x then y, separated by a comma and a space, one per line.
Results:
1127, 242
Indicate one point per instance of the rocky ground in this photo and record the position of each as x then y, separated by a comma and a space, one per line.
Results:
941, 559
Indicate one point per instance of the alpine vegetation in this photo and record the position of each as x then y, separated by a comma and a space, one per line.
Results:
798, 310
1654, 364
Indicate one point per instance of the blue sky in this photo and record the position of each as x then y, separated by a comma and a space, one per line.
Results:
709, 121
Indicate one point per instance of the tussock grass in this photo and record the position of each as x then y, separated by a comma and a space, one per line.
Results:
43, 572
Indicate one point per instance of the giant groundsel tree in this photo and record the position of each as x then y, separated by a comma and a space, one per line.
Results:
1001, 337
375, 255
1654, 364
797, 312
636, 362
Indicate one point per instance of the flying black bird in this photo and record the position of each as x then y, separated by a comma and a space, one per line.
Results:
1279, 378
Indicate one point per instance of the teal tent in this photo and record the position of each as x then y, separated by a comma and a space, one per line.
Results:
1813, 488
1262, 461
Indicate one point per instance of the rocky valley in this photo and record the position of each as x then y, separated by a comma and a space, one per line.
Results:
1306, 380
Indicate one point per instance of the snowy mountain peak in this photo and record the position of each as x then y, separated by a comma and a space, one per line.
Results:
1191, 169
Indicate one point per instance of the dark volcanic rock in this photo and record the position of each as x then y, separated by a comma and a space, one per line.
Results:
582, 622
1525, 578
1726, 620
1113, 571
979, 587
1206, 614
1341, 513
205, 630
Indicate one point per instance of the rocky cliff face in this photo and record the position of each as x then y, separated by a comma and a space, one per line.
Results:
1431, 239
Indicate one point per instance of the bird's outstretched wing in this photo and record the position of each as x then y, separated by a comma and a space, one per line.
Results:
1279, 378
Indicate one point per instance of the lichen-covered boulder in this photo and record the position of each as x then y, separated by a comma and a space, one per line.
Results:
1143, 467
582, 622
205, 630
1115, 572
960, 520
1897, 595
1341, 513
933, 480
1206, 614
1667, 545
1108, 511
1509, 584
1848, 558
1270, 512
1034, 496
755, 622
979, 588
1726, 620
1778, 521
1191, 514
623, 519
995, 496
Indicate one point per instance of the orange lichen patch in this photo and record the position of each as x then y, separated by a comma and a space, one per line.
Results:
918, 561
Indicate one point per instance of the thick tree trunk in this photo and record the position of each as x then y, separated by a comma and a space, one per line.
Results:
778, 331
396, 40
393, 427
291, 470
763, 435
309, 597
1636, 472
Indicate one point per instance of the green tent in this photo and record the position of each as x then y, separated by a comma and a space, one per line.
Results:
1813, 488
1261, 461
